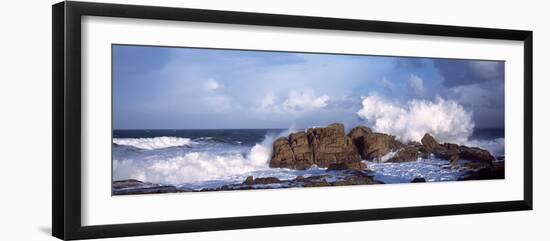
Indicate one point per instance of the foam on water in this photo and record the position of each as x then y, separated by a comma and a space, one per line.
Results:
432, 169
153, 143
198, 164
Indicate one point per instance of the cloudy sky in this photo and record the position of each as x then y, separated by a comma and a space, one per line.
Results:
184, 88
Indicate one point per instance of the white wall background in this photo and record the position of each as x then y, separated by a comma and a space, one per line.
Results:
25, 107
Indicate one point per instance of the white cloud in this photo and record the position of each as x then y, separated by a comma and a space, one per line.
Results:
212, 85
417, 84
295, 101
385, 83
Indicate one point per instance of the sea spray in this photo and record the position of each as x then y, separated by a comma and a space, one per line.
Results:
193, 166
446, 120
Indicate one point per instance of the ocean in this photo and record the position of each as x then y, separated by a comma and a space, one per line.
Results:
196, 159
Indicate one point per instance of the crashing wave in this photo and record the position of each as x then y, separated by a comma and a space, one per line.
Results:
153, 143
195, 166
446, 120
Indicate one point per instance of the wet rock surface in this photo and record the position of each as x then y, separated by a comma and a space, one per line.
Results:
330, 145
317, 146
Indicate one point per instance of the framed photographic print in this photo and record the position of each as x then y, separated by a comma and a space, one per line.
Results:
169, 120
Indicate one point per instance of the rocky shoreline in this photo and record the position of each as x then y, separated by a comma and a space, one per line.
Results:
343, 155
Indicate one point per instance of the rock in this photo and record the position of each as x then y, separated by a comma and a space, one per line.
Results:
430, 144
249, 180
282, 153
322, 183
475, 154
127, 183
454, 152
266, 180
418, 179
319, 146
303, 154
355, 180
493, 171
407, 154
347, 166
358, 135
331, 145
377, 145
449, 152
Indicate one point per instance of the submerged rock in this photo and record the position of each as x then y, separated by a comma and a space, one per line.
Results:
418, 179
491, 171
250, 180
347, 166
133, 186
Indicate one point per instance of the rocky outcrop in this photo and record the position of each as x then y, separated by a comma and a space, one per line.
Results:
429, 144
331, 146
455, 152
379, 144
319, 146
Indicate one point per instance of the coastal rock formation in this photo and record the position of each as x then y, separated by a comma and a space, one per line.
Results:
319, 146
330, 146
454, 152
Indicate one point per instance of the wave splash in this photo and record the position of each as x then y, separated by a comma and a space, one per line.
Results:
153, 143
446, 120
195, 166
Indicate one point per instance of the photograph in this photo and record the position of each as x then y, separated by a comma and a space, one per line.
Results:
191, 119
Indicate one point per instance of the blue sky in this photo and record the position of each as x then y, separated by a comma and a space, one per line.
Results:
189, 88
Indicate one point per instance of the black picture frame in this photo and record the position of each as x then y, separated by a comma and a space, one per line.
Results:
67, 136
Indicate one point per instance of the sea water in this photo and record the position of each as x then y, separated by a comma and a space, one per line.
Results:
197, 159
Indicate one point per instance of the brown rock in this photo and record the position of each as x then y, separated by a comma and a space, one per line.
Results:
449, 152
493, 171
303, 154
475, 154
266, 180
249, 180
331, 145
347, 166
407, 154
282, 154
358, 132
377, 145
430, 144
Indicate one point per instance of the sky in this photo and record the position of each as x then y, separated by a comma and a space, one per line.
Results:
193, 88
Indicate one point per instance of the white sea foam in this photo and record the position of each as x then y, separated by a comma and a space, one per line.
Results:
153, 143
195, 166
446, 120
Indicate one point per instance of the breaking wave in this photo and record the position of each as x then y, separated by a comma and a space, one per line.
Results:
153, 143
446, 120
195, 166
